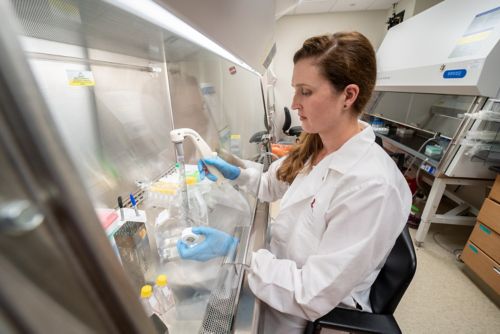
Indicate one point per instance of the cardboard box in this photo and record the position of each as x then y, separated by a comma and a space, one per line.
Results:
487, 240
495, 190
490, 215
487, 269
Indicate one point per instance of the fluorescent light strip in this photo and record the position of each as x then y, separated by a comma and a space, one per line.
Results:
158, 15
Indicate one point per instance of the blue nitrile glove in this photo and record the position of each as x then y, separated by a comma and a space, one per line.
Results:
229, 171
216, 243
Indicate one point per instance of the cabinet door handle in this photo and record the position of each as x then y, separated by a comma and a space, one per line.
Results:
496, 270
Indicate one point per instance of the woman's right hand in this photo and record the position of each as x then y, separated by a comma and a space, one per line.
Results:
229, 171
217, 243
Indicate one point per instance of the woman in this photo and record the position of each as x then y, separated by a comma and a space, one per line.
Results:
343, 200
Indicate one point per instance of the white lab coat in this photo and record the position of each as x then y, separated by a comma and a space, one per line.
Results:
336, 226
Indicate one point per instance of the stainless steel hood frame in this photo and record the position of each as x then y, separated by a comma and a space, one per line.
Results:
51, 180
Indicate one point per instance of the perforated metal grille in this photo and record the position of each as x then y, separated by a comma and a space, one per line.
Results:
223, 300
90, 23
57, 20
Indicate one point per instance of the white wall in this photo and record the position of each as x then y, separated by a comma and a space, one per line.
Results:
291, 31
421, 5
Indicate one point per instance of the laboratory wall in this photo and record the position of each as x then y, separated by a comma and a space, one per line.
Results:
421, 5
291, 31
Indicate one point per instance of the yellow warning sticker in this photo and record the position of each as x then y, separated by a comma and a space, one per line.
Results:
80, 78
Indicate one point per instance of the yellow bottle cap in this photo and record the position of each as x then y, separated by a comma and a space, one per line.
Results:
191, 180
161, 280
146, 291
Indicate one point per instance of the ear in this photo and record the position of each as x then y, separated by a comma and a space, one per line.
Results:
350, 95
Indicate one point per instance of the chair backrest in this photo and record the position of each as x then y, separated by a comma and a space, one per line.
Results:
287, 122
395, 276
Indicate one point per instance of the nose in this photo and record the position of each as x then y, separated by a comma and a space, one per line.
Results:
295, 102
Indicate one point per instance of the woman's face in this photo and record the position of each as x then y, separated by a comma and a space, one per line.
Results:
318, 104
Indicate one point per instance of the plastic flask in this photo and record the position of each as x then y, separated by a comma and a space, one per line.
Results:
198, 211
168, 229
149, 301
164, 294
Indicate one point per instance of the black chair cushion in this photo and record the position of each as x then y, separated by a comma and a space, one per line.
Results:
359, 322
295, 131
257, 137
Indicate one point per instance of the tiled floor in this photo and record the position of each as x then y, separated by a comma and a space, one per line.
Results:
441, 297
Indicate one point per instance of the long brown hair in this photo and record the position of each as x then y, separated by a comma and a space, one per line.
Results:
343, 58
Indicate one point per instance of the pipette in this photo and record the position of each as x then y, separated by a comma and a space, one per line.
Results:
134, 204
178, 135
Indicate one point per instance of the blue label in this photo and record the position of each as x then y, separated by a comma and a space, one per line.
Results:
455, 74
485, 229
474, 249
429, 169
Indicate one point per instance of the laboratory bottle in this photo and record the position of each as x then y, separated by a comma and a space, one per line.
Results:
164, 294
149, 301
198, 211
168, 229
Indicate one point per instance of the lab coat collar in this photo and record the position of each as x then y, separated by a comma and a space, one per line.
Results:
341, 161
353, 150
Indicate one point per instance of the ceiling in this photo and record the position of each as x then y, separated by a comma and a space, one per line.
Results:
298, 7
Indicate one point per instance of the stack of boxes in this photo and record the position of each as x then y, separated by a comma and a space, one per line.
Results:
482, 251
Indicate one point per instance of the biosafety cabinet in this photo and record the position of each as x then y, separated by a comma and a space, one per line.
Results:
436, 101
89, 92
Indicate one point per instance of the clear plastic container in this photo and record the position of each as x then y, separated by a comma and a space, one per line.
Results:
377, 123
167, 233
404, 132
164, 294
434, 151
198, 211
161, 194
483, 135
168, 229
381, 130
149, 301
378, 126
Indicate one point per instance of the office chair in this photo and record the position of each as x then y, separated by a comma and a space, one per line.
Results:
290, 131
386, 292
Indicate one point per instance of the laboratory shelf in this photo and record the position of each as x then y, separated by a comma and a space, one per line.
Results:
409, 145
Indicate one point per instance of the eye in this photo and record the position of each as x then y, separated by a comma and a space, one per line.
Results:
305, 92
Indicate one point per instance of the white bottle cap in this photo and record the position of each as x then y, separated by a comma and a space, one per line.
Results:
189, 238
